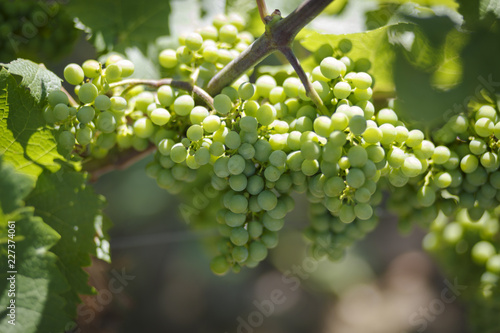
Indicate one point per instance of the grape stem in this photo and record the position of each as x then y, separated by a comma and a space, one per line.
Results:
72, 101
183, 85
278, 36
125, 159
311, 93
261, 4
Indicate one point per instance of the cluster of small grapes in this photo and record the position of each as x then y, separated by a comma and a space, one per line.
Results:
463, 171
35, 29
471, 244
264, 140
98, 121
203, 53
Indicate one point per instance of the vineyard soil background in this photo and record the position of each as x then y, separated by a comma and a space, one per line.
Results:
219, 166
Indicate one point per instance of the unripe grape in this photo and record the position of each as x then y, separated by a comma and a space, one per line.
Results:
91, 68
74, 74
87, 93
168, 58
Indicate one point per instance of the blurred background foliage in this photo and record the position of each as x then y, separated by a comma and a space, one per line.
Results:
436, 55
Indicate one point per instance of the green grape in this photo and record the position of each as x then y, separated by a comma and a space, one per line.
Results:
264, 84
266, 114
56, 97
178, 153
357, 125
198, 114
102, 102
426, 196
232, 140
362, 80
238, 204
310, 167
238, 182
257, 251
228, 33
74, 74
183, 105
357, 156
386, 116
61, 112
194, 41
143, 128
323, 126
161, 116
415, 138
355, 178
482, 251
87, 93
166, 95
219, 265
267, 200
484, 127
168, 58
411, 167
222, 104
291, 86
372, 134
493, 264
277, 95
441, 155
91, 69
246, 90
231, 93
66, 140
469, 163
126, 66
106, 122
331, 68
113, 72
236, 164
84, 135
363, 211
342, 90
195, 133
202, 156
211, 123
240, 254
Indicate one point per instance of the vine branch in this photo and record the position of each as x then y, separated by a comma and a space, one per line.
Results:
97, 168
183, 85
279, 36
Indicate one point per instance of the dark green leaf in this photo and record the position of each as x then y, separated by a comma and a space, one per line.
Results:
39, 283
68, 205
118, 24
25, 142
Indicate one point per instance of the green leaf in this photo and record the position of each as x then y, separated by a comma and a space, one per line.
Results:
68, 205
119, 24
479, 12
39, 80
39, 283
374, 45
25, 142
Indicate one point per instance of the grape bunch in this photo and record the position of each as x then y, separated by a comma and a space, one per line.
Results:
262, 141
35, 29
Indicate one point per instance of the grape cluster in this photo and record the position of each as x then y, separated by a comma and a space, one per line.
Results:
262, 141
35, 29
469, 243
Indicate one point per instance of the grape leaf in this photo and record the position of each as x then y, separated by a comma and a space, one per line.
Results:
119, 24
374, 45
39, 80
67, 204
39, 283
479, 12
25, 142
